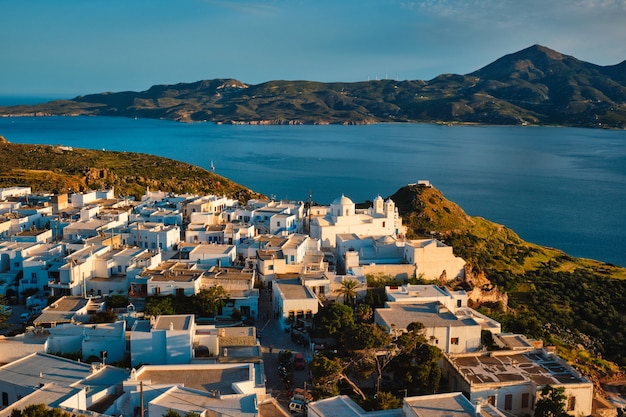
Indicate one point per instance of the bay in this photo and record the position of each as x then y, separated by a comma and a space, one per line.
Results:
558, 187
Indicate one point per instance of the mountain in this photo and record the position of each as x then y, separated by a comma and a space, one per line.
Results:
62, 169
533, 86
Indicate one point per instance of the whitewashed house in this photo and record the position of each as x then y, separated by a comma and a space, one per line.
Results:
512, 380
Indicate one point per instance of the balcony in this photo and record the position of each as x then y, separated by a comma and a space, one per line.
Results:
58, 284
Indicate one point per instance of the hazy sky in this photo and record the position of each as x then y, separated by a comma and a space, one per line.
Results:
73, 47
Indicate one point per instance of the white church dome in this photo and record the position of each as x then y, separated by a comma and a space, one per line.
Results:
342, 201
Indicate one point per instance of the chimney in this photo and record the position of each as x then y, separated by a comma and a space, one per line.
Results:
477, 409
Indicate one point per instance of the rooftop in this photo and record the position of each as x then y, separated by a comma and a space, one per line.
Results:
206, 378
292, 289
512, 367
176, 322
431, 314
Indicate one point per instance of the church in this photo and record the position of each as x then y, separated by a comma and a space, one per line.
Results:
343, 217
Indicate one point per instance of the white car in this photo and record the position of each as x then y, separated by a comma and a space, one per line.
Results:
24, 317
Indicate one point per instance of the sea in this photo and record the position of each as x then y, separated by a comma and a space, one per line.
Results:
554, 186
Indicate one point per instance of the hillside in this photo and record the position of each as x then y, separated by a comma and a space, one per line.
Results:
534, 86
577, 304
62, 169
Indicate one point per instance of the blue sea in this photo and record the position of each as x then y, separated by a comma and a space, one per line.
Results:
557, 187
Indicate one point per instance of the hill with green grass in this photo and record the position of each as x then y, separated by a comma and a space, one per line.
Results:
533, 86
59, 169
577, 304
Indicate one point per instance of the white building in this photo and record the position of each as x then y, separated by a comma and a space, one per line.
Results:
437, 405
293, 300
239, 284
155, 236
432, 258
342, 217
426, 258
167, 340
443, 329
91, 340
512, 380
173, 278
293, 254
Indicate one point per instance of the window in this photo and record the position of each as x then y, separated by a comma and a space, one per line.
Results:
5, 399
571, 403
33, 275
180, 292
119, 268
491, 399
525, 399
508, 401
454, 341
277, 224
383, 224
270, 267
458, 303
157, 290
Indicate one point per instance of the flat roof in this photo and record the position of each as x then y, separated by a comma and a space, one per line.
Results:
510, 367
441, 405
204, 378
404, 314
178, 322
189, 400
49, 394
292, 289
39, 368
344, 406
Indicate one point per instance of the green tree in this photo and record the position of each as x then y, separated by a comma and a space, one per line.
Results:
551, 403
171, 413
365, 336
157, 306
210, 300
364, 313
117, 301
348, 291
334, 319
387, 401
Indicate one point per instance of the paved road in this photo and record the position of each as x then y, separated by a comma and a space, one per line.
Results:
273, 340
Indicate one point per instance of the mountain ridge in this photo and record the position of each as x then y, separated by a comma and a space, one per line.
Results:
536, 85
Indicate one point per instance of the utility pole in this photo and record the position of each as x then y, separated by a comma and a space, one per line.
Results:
141, 413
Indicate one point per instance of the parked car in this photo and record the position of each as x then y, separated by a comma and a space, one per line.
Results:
24, 317
8, 310
299, 362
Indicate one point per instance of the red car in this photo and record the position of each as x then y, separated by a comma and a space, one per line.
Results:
298, 361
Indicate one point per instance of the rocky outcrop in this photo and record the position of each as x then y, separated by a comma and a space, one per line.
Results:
483, 291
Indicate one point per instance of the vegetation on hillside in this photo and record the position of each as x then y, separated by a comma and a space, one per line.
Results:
534, 86
579, 305
60, 170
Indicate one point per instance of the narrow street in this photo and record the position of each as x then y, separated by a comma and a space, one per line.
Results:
273, 340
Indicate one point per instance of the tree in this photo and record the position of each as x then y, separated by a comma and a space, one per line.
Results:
157, 306
348, 291
334, 319
551, 403
387, 401
364, 313
210, 300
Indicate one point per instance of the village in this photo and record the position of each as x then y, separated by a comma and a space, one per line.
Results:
67, 258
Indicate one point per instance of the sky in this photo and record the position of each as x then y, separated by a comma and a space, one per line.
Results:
66, 48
